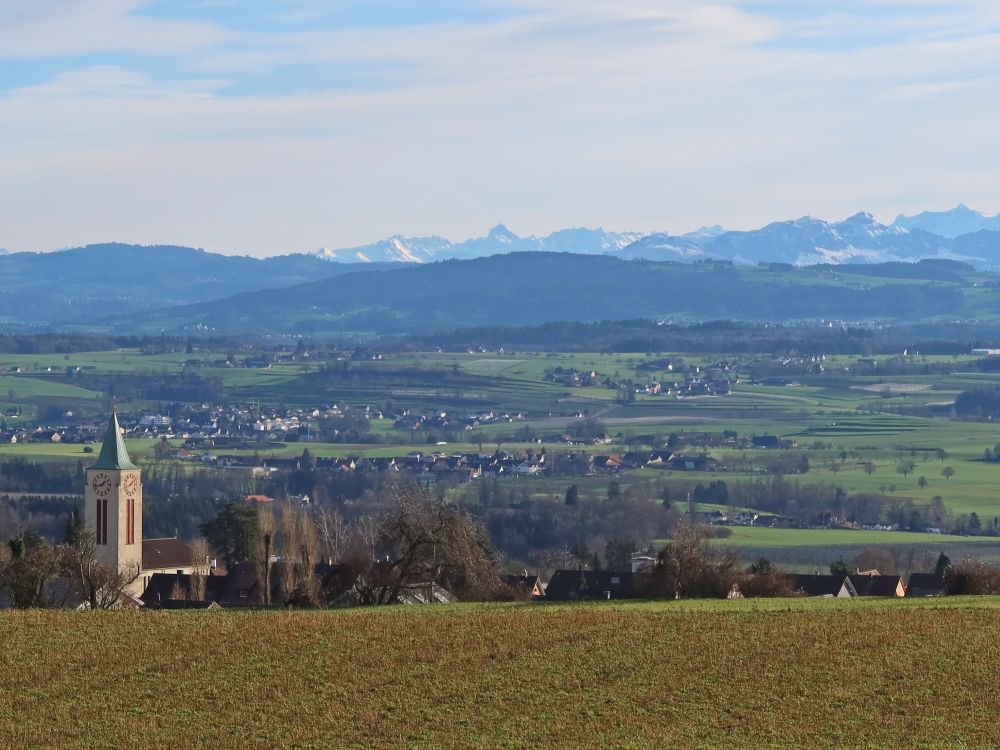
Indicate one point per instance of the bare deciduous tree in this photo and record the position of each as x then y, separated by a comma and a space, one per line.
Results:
689, 567
199, 568
309, 553
100, 586
560, 558
177, 592
333, 533
419, 541
366, 536
300, 553
25, 576
265, 549
972, 577
290, 550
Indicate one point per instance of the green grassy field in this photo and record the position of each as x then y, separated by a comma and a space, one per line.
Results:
750, 674
812, 550
821, 412
751, 536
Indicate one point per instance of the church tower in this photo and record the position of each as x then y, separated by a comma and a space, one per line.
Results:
113, 502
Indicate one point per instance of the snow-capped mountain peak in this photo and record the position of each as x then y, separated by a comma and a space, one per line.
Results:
859, 238
395, 249
861, 217
500, 233
500, 239
705, 232
953, 223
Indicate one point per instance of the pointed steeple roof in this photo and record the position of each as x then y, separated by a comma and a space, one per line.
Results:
113, 453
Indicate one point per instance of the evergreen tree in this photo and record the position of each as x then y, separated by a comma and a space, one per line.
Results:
618, 553
28, 540
839, 568
572, 496
943, 562
233, 532
75, 529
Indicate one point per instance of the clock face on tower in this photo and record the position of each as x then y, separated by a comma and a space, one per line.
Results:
101, 484
130, 484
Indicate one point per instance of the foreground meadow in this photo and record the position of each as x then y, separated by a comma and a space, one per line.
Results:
686, 675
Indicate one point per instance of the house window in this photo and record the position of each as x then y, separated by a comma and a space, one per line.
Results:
615, 580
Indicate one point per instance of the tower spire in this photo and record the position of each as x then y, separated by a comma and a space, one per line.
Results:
113, 452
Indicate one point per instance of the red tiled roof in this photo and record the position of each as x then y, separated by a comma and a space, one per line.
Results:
165, 553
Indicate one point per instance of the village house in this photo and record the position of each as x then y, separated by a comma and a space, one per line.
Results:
925, 584
835, 586
871, 583
241, 586
525, 585
569, 585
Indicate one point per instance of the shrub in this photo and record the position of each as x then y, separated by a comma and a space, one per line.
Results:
972, 577
759, 585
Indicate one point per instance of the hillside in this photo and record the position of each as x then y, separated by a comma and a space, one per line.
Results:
530, 288
83, 283
178, 289
752, 674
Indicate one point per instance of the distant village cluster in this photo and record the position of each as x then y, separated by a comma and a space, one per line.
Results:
209, 431
686, 379
196, 423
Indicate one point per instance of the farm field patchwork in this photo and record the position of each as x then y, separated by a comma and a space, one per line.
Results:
840, 421
747, 674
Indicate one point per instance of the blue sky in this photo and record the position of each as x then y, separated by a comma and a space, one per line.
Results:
274, 126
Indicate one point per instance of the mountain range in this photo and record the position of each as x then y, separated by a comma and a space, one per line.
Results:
501, 278
958, 221
961, 234
499, 240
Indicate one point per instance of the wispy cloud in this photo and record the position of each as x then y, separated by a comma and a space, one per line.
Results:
50, 28
266, 126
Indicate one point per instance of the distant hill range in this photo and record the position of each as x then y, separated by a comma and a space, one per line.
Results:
96, 281
539, 287
960, 234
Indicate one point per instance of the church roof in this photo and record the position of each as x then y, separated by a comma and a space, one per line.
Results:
113, 453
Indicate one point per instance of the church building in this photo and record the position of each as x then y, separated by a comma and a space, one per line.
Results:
113, 512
